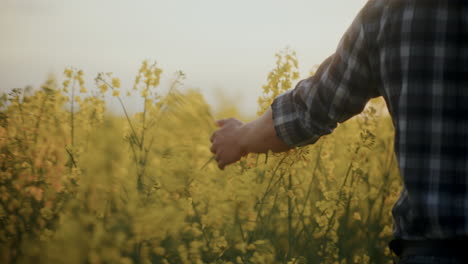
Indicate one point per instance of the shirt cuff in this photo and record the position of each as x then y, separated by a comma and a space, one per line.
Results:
290, 123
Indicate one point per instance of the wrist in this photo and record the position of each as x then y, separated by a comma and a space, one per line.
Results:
244, 139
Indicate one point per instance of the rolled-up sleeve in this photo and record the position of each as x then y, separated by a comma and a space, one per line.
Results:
340, 89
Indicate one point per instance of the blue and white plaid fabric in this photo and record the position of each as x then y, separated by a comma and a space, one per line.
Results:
414, 53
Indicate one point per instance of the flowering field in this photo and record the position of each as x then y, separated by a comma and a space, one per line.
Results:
79, 185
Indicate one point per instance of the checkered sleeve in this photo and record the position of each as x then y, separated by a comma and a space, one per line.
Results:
340, 89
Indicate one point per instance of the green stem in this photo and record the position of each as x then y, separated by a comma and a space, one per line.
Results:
290, 213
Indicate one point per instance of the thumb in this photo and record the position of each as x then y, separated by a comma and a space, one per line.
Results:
221, 122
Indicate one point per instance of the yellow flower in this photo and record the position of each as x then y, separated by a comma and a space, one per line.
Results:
157, 72
115, 93
80, 80
68, 73
159, 251
154, 82
116, 82
144, 66
357, 216
65, 84
103, 88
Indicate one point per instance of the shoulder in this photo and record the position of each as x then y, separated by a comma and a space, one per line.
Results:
373, 10
372, 16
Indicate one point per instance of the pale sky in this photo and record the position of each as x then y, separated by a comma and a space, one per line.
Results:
225, 46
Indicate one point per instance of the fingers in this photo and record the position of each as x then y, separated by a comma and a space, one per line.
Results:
221, 165
213, 148
221, 122
222, 142
213, 137
217, 156
220, 161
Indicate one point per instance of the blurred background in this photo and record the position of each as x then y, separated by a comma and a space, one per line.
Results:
224, 47
80, 185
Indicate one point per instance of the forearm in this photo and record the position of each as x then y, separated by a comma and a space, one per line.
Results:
259, 136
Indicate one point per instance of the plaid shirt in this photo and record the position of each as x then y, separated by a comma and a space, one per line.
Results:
414, 53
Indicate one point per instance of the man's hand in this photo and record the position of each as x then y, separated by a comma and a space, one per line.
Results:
226, 142
235, 139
